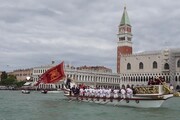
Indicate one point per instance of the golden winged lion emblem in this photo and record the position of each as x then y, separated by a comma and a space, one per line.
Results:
54, 75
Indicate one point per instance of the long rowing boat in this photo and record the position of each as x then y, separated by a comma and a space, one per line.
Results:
150, 96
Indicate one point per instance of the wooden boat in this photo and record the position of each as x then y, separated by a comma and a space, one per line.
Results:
25, 91
44, 91
151, 96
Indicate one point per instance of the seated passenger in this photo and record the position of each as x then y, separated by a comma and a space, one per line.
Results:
150, 82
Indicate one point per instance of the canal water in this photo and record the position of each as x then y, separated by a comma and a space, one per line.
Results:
36, 106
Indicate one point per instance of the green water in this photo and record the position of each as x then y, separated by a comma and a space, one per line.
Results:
36, 106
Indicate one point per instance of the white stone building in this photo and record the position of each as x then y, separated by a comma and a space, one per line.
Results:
90, 78
146, 65
138, 68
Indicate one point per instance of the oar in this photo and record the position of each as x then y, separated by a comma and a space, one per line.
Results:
70, 100
101, 101
119, 101
106, 102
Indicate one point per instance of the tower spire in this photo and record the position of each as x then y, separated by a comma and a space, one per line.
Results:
125, 6
125, 19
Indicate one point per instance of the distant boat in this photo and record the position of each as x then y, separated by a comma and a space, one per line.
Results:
25, 91
44, 91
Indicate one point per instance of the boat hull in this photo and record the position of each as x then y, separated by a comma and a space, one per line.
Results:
140, 102
25, 91
55, 91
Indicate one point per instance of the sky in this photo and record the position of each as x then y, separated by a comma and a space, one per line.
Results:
81, 32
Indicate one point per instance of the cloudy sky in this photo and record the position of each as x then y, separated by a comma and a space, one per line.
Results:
81, 32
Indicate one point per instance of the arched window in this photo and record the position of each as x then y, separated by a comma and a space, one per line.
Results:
166, 66
128, 66
141, 65
154, 65
178, 63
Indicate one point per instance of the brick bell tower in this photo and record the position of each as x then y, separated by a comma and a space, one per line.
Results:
124, 44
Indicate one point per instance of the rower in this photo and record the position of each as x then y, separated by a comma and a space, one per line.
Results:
116, 91
81, 91
123, 93
101, 92
129, 92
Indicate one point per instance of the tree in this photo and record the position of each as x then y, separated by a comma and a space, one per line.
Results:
10, 80
4, 75
7, 80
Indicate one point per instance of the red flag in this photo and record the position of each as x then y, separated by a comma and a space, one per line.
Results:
52, 75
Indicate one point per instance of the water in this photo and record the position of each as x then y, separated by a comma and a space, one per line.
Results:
36, 106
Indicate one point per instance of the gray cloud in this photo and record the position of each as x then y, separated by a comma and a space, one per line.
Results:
81, 32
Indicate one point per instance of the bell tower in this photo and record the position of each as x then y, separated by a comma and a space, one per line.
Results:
124, 44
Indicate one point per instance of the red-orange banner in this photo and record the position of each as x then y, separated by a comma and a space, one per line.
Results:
52, 75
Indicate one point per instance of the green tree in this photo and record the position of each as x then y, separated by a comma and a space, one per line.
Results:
12, 77
4, 75
19, 84
8, 80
